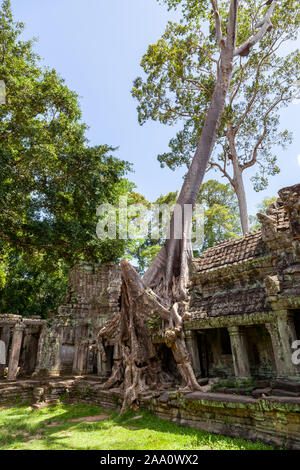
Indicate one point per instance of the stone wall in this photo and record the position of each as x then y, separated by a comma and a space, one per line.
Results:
20, 338
272, 420
69, 343
251, 287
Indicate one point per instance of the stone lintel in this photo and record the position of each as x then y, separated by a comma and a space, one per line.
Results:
230, 320
34, 322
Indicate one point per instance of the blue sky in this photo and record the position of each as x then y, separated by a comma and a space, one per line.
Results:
97, 46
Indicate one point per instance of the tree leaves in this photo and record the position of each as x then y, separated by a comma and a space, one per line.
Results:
51, 181
180, 74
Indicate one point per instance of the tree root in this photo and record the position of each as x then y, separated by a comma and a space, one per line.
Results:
137, 367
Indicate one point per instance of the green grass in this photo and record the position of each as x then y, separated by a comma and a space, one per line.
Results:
23, 428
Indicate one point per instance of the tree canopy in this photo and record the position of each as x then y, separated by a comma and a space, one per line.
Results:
180, 74
51, 180
220, 222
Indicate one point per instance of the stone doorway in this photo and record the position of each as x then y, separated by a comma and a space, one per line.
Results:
260, 351
203, 353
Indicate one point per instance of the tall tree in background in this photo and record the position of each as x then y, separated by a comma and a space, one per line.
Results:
163, 287
221, 221
51, 181
182, 69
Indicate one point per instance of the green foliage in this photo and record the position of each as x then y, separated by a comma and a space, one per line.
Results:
154, 323
221, 221
51, 182
33, 286
180, 73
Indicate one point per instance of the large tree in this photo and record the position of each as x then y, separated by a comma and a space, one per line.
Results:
162, 291
181, 72
32, 285
51, 180
220, 221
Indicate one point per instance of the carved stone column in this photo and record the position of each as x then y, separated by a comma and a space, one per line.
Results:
57, 341
15, 351
102, 366
5, 337
283, 334
192, 346
80, 357
239, 352
40, 350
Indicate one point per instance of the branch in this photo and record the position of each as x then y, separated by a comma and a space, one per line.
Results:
222, 170
218, 23
264, 25
235, 92
232, 25
256, 91
19, 243
262, 137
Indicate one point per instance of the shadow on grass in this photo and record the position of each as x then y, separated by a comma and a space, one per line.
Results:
51, 428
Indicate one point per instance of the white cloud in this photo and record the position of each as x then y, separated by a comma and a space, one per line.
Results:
298, 159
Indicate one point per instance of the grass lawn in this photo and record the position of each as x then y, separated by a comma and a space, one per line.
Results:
23, 428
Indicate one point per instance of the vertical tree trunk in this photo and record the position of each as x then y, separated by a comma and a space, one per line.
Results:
164, 285
238, 183
166, 268
242, 200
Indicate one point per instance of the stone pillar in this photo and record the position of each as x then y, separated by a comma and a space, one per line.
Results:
283, 334
24, 357
5, 337
40, 350
74, 369
100, 364
192, 346
15, 351
80, 357
239, 352
90, 357
56, 352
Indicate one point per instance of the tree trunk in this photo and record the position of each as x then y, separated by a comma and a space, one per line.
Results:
166, 274
162, 290
241, 197
238, 182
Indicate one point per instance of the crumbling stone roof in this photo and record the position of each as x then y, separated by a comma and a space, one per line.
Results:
231, 303
245, 248
279, 214
231, 251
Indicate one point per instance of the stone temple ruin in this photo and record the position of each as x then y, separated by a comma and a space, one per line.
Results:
241, 325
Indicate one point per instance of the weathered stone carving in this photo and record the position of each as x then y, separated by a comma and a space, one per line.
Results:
240, 319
